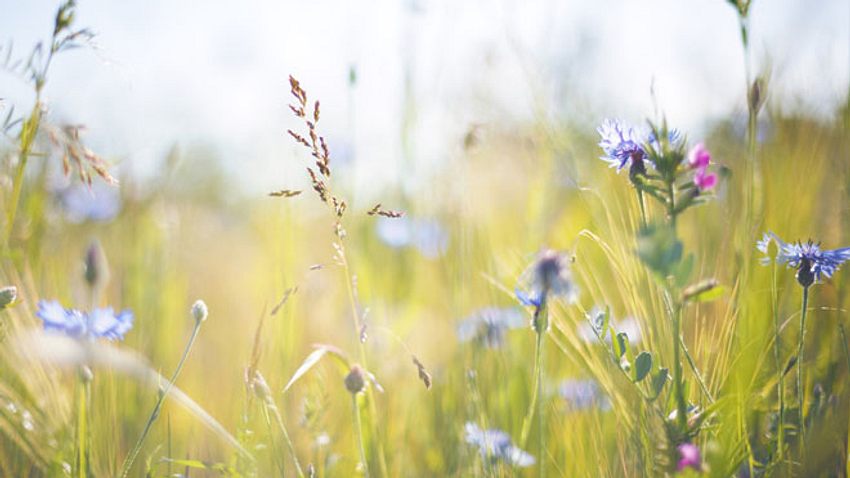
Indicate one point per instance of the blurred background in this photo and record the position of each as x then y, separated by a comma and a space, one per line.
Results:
405, 81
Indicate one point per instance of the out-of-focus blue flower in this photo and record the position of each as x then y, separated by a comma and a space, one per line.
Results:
430, 238
588, 331
427, 235
583, 394
394, 232
99, 323
621, 144
98, 203
674, 138
810, 261
496, 446
488, 326
547, 277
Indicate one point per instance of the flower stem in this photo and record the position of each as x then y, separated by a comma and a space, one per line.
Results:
269, 405
134, 453
382, 461
642, 208
82, 442
681, 404
540, 323
777, 357
800, 390
359, 430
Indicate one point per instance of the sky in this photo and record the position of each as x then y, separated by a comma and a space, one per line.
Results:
213, 74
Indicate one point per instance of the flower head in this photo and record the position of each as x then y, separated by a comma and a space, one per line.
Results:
488, 326
699, 156
808, 258
689, 456
704, 180
621, 145
583, 394
548, 276
99, 323
496, 445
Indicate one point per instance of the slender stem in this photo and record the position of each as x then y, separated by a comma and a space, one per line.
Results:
642, 207
134, 453
359, 431
801, 392
279, 420
82, 449
777, 357
278, 461
671, 202
681, 404
695, 370
540, 323
355, 317
541, 421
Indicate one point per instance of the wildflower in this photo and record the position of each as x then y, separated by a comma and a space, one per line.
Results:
689, 456
98, 203
488, 325
496, 445
583, 394
810, 261
548, 276
622, 146
99, 323
699, 156
704, 180
427, 235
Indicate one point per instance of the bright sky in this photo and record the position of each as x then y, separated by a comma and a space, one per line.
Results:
214, 73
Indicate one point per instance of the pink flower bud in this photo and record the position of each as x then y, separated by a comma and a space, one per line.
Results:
699, 157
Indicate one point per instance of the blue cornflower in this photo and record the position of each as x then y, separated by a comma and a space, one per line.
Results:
810, 261
488, 326
583, 394
621, 145
496, 445
548, 276
99, 323
99, 203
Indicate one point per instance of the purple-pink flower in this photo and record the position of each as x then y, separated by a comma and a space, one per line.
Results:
699, 158
688, 457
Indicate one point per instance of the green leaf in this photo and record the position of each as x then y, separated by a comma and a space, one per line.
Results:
643, 365
658, 381
621, 345
305, 367
660, 250
710, 295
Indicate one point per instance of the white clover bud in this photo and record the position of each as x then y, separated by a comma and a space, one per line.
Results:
199, 311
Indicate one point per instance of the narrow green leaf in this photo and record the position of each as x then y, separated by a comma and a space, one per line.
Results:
306, 365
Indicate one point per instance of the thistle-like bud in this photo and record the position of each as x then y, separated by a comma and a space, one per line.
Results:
8, 296
355, 381
96, 271
200, 311
805, 276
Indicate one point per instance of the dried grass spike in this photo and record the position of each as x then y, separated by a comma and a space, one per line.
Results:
423, 373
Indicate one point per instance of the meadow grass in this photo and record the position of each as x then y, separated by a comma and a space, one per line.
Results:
331, 350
